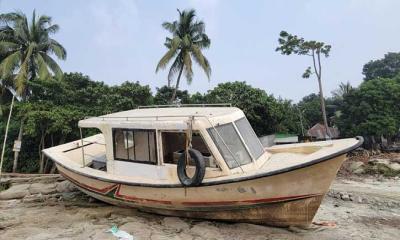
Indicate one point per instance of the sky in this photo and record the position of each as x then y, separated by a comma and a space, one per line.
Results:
122, 40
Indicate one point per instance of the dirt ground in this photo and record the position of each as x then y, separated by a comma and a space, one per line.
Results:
355, 208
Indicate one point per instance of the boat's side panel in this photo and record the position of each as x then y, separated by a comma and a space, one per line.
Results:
290, 198
298, 212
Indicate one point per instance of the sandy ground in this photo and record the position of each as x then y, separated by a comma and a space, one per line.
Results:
353, 209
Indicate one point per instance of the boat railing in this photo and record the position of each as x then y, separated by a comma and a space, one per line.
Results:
187, 105
146, 118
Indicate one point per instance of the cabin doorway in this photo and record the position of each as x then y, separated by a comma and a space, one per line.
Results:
174, 143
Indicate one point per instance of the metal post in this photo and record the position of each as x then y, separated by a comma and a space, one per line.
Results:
5, 135
83, 153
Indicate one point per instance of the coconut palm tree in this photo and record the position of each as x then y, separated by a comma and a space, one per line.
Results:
27, 48
187, 40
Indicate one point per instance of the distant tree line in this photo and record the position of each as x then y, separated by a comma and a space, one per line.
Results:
52, 102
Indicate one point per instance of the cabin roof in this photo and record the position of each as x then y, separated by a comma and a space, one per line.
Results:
159, 114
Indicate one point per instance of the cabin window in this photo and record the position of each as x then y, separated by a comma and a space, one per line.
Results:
233, 145
136, 145
249, 137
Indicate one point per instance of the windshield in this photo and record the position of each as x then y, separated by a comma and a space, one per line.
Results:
249, 137
230, 146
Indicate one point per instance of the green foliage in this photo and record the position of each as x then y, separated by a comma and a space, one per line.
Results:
387, 67
164, 94
310, 107
55, 107
26, 47
373, 109
186, 43
292, 44
266, 114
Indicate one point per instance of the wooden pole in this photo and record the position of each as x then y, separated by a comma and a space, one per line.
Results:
5, 135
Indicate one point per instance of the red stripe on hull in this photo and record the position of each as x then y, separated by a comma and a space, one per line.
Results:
98, 190
135, 199
118, 195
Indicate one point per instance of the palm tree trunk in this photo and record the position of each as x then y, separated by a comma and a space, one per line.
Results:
16, 153
177, 85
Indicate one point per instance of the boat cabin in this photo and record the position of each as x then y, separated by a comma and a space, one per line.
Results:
148, 142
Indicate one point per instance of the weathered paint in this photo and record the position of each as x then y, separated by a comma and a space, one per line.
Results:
290, 198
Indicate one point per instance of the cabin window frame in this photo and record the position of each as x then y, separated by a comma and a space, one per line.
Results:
237, 163
113, 130
246, 140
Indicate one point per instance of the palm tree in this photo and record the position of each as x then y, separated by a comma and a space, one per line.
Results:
27, 49
344, 89
187, 40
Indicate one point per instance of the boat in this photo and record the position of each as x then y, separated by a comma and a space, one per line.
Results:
201, 162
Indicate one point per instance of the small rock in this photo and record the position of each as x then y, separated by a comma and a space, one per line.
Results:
65, 186
354, 166
394, 166
384, 161
359, 199
33, 198
17, 191
137, 229
206, 231
43, 188
175, 223
345, 197
359, 171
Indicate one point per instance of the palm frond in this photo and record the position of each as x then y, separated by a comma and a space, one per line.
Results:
198, 28
42, 21
43, 70
52, 29
56, 48
21, 78
10, 63
202, 41
6, 46
171, 27
175, 68
21, 29
52, 65
169, 55
201, 60
11, 17
187, 62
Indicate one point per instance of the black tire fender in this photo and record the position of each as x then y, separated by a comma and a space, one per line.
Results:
198, 176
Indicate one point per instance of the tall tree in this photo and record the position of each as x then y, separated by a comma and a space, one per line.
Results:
292, 44
27, 49
371, 110
387, 67
187, 41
